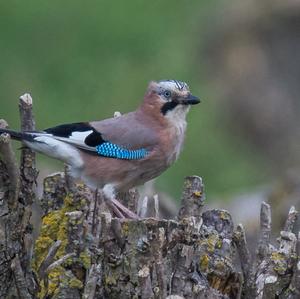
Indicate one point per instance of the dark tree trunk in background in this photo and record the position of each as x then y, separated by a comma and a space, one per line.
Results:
82, 251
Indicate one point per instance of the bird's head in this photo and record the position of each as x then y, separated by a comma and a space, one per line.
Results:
171, 98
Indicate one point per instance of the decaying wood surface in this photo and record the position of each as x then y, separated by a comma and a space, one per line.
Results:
83, 251
17, 280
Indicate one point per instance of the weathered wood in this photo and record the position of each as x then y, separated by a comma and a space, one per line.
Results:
16, 246
192, 198
94, 277
147, 257
265, 231
28, 170
21, 284
291, 219
275, 273
8, 157
293, 291
249, 289
48, 259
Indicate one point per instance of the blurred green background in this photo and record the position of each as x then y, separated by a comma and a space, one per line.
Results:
83, 60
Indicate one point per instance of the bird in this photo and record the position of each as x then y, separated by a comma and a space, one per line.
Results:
122, 152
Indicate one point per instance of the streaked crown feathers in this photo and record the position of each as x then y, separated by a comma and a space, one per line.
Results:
174, 85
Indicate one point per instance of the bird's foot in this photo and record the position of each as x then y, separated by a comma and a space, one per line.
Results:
120, 210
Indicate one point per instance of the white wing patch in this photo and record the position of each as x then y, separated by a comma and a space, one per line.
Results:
77, 139
80, 136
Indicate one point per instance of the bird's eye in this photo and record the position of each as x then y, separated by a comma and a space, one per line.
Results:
167, 94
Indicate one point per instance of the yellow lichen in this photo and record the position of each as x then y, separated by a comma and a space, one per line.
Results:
197, 193
224, 215
85, 259
211, 242
279, 261
204, 262
54, 279
75, 283
277, 256
41, 246
125, 228
219, 244
68, 201
55, 227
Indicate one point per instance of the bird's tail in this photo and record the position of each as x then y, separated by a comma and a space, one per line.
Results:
45, 143
18, 135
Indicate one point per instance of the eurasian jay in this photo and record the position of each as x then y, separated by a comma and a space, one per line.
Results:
119, 153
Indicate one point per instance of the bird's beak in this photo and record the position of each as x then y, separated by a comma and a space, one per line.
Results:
190, 100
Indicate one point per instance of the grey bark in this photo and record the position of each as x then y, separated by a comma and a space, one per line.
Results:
17, 280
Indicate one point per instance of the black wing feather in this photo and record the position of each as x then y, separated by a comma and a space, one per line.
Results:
66, 130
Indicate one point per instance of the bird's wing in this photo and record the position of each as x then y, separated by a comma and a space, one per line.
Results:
81, 135
123, 137
128, 130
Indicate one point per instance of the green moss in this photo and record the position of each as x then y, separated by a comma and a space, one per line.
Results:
85, 258
75, 283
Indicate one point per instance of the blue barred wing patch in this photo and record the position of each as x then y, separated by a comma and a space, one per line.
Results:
112, 150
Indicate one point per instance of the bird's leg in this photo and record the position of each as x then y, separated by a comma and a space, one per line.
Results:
115, 206
124, 210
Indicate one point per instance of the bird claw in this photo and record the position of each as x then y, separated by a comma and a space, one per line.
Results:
120, 210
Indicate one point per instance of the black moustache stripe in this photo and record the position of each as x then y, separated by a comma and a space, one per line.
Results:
168, 107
